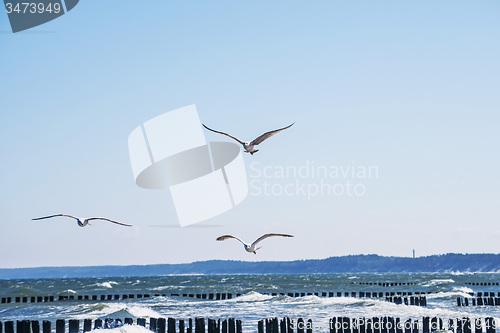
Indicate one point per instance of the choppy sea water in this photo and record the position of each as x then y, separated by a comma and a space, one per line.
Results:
253, 304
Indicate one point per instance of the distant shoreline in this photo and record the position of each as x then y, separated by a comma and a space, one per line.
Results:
446, 263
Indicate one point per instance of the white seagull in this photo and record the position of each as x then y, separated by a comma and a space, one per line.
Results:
250, 146
82, 222
251, 247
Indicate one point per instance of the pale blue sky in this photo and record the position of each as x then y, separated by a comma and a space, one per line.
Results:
410, 87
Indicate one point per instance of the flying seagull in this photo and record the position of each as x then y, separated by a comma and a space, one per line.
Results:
250, 146
251, 248
82, 222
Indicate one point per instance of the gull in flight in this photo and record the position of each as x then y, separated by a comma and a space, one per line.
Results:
250, 147
82, 222
251, 247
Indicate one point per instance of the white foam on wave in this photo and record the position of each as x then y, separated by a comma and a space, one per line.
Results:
107, 284
123, 329
437, 282
121, 309
252, 296
69, 291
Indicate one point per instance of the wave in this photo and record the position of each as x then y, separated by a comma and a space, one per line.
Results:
117, 310
437, 282
123, 329
107, 284
252, 296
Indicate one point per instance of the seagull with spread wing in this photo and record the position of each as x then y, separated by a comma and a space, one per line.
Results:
82, 222
251, 247
250, 147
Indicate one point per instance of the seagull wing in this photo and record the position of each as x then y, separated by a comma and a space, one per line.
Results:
105, 219
267, 135
48, 217
261, 238
228, 135
221, 238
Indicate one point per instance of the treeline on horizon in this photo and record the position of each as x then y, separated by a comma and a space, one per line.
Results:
450, 262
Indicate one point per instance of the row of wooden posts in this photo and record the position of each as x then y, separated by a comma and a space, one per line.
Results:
157, 325
397, 325
478, 301
272, 325
482, 283
412, 300
385, 284
209, 296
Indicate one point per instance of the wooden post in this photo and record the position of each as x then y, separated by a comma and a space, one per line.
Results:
289, 325
171, 325
161, 325
26, 326
98, 324
300, 325
274, 327
87, 325
391, 325
355, 327
478, 325
141, 322
153, 324
224, 326
190, 327
35, 327
199, 325
60, 326
9, 327
46, 326
129, 321
407, 326
333, 323
231, 325
451, 325
466, 325
414, 326
74, 325
260, 326
239, 328
181, 326
362, 325
426, 325
460, 326
399, 328
211, 325
490, 325
376, 325
309, 326
369, 325
283, 325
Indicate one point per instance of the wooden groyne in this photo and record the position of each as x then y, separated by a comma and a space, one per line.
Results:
385, 284
412, 300
157, 325
478, 301
482, 283
204, 296
384, 324
285, 325
397, 325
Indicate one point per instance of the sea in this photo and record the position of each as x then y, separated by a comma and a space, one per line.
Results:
256, 300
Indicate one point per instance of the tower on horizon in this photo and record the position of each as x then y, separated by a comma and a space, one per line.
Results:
413, 253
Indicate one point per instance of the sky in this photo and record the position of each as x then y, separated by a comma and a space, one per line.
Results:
406, 90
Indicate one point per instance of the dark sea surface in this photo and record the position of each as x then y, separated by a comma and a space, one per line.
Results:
253, 304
